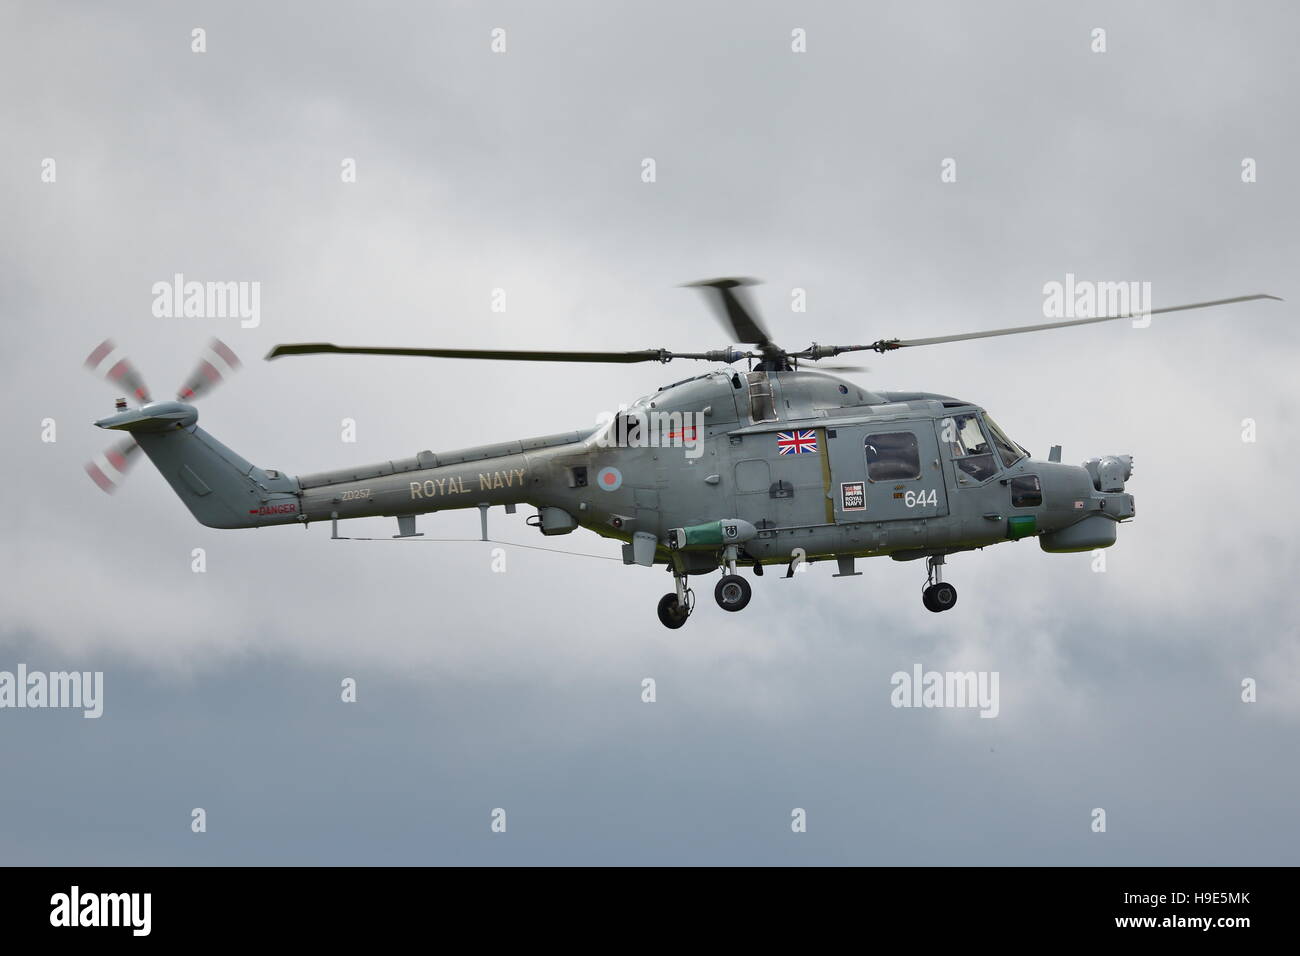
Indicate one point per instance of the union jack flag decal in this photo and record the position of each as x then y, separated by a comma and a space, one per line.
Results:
796, 443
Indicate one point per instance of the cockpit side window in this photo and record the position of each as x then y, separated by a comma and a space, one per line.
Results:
1008, 451
968, 446
1026, 491
969, 439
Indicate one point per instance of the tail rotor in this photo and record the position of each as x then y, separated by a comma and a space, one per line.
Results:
216, 363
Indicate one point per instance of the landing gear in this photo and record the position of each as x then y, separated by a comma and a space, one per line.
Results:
938, 595
732, 592
676, 606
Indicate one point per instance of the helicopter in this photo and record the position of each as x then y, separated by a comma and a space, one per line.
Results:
776, 465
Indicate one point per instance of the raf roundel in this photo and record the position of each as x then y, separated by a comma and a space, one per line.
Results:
609, 479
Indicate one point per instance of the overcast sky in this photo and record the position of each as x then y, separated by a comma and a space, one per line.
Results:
522, 171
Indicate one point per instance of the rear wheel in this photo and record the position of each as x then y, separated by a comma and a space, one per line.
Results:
732, 592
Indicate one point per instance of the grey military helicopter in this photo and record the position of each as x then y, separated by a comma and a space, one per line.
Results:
773, 465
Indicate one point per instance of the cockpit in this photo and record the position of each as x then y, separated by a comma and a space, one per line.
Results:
977, 447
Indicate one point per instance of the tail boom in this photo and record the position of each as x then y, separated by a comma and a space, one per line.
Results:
223, 490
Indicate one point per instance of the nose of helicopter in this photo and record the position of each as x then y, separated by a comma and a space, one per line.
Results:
1087, 503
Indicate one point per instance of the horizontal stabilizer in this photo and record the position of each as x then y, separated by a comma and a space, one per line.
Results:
152, 417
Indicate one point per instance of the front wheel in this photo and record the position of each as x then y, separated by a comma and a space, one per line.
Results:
939, 597
732, 592
672, 613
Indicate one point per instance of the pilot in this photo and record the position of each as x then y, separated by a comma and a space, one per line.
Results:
971, 433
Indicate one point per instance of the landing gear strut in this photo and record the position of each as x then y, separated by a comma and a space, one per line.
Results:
938, 595
676, 606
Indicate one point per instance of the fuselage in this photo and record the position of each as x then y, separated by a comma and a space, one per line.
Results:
818, 465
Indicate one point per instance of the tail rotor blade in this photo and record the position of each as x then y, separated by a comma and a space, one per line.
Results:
109, 468
108, 362
215, 365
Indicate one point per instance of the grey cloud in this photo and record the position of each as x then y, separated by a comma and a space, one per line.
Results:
521, 171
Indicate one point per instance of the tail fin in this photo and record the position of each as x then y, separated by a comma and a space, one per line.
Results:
220, 488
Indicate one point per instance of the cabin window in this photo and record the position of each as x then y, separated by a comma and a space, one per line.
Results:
893, 456
1026, 492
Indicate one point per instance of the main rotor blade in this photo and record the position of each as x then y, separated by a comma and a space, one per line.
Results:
623, 358
888, 345
818, 367
734, 314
